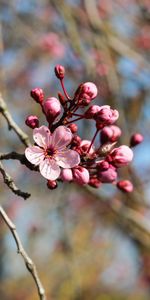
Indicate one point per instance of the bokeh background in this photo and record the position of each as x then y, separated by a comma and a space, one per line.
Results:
87, 244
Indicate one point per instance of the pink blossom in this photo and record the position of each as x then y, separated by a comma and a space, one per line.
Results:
51, 152
91, 111
89, 89
120, 156
81, 175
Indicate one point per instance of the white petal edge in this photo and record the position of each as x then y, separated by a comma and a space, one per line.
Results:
34, 155
42, 136
61, 137
68, 158
49, 169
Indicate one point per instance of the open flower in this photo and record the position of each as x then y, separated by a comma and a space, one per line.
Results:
51, 152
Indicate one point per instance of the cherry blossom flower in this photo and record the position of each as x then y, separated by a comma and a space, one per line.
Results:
50, 151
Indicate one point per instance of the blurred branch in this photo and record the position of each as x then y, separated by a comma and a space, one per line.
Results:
27, 260
10, 183
12, 124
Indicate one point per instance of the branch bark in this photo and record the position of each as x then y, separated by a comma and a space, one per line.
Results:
27, 260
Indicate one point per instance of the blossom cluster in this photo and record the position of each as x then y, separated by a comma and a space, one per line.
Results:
59, 151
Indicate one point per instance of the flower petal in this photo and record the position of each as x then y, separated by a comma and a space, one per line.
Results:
49, 169
61, 137
42, 136
34, 154
68, 158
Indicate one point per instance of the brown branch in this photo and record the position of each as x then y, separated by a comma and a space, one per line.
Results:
10, 183
12, 124
27, 260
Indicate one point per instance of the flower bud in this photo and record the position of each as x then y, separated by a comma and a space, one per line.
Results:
107, 176
85, 93
52, 184
81, 175
76, 141
106, 116
59, 72
62, 99
84, 145
32, 121
102, 165
136, 139
66, 175
73, 127
94, 182
91, 111
52, 108
37, 94
120, 156
110, 134
125, 186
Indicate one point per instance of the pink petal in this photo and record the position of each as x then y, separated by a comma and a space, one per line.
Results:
49, 169
61, 137
42, 136
68, 158
34, 154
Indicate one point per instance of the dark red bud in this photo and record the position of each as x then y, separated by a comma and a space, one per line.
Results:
37, 94
51, 184
73, 127
59, 72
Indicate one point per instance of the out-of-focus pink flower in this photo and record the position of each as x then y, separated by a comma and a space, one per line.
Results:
120, 156
81, 175
136, 139
107, 176
52, 108
66, 175
110, 134
32, 121
106, 116
52, 43
51, 152
125, 186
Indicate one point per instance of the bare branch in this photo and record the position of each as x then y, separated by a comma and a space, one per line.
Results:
12, 124
10, 183
27, 260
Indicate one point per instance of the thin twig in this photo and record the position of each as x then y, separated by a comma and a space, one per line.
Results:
10, 183
12, 124
27, 260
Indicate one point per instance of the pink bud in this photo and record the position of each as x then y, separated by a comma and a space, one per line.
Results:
81, 175
120, 156
136, 139
52, 107
37, 94
125, 186
94, 182
90, 89
59, 72
32, 121
91, 111
107, 176
66, 175
51, 184
73, 127
110, 134
85, 144
106, 116
76, 141
85, 93
102, 165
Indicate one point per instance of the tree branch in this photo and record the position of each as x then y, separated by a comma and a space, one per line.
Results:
27, 260
10, 183
12, 124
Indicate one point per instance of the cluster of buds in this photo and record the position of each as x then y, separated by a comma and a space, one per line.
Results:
62, 155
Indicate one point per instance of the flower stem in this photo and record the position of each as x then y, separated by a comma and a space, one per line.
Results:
64, 89
94, 137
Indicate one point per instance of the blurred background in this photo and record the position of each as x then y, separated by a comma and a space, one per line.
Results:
87, 244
